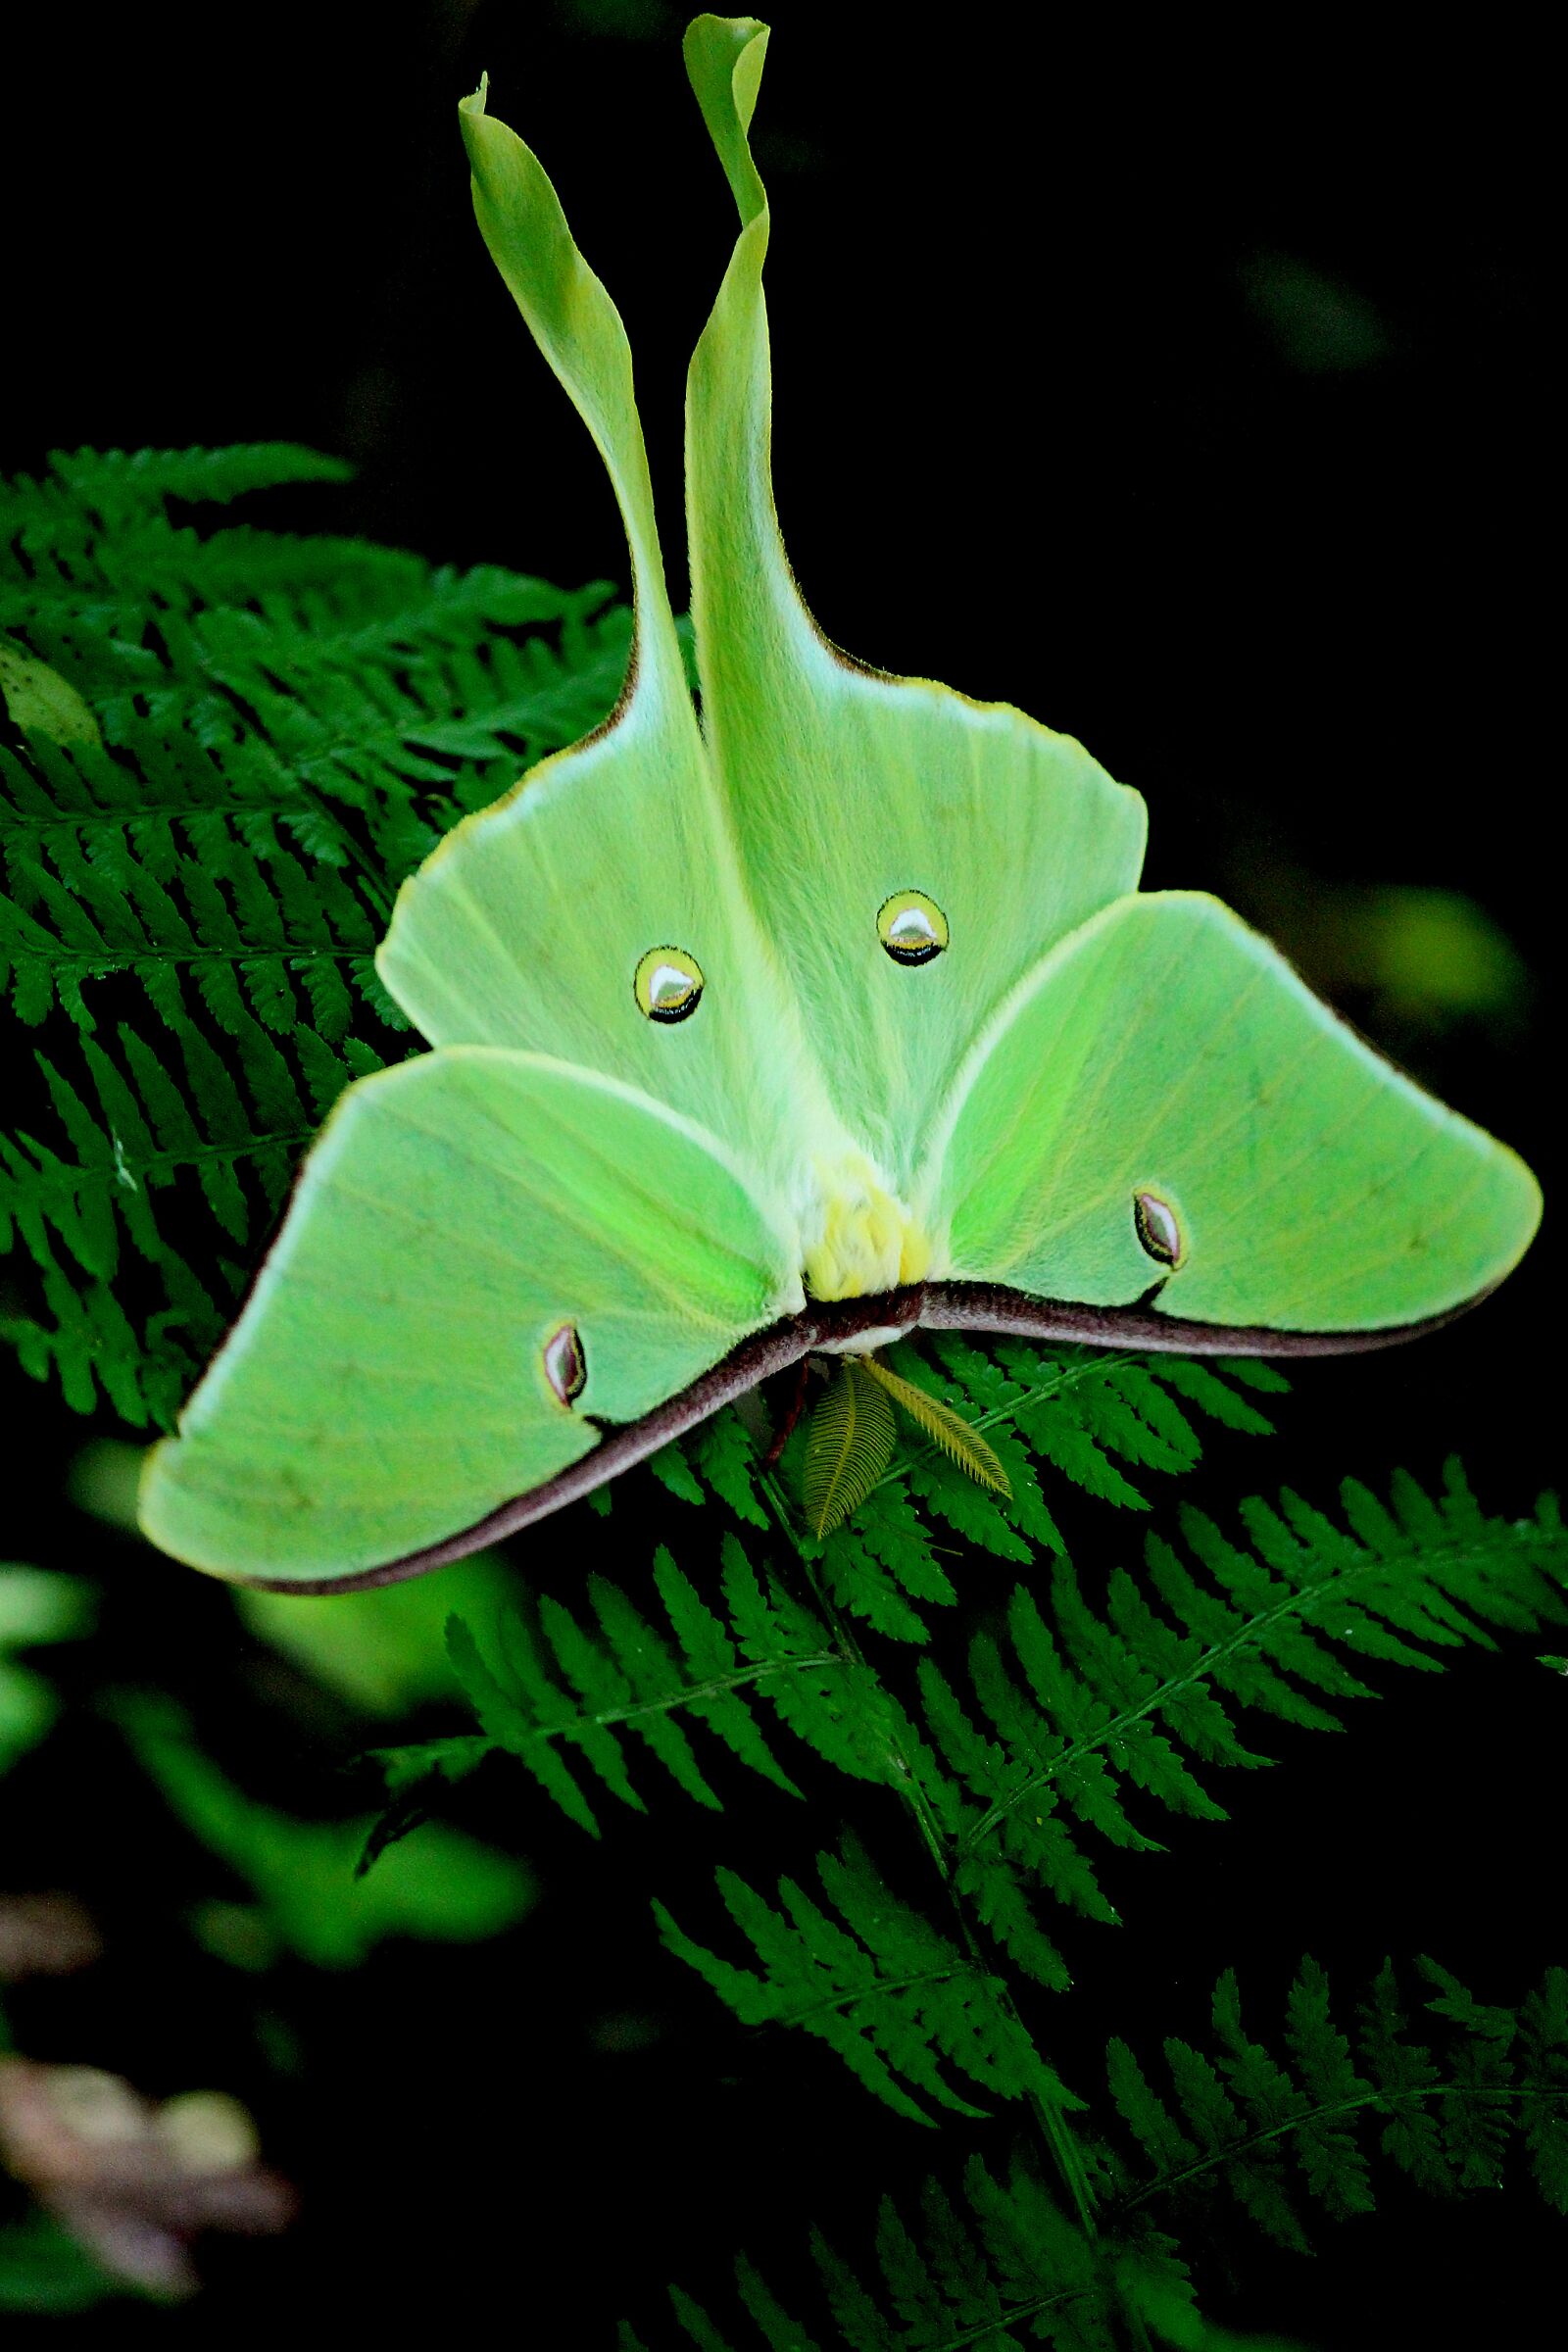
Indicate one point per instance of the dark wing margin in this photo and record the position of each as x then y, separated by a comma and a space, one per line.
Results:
625, 1442
1143, 1329
932, 1306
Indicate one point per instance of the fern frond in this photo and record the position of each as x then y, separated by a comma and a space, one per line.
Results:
898, 2002
959, 1440
1285, 2134
109, 482
554, 1688
724, 1454
991, 2266
189, 907
883, 1563
1080, 1719
151, 1154
1281, 2130
848, 1444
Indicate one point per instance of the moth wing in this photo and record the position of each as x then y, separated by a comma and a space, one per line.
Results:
1166, 1069
847, 789
475, 1235
528, 925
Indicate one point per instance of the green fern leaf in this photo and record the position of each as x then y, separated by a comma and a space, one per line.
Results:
557, 1693
1543, 2042
899, 2003
213, 874
882, 1563
994, 2263
106, 482
725, 1453
673, 1468
1083, 1721
1283, 2132
838, 1709
694, 2323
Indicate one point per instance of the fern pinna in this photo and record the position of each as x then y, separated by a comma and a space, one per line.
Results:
226, 746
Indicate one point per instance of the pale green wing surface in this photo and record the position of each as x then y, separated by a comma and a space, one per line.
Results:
849, 789
1165, 1103
528, 927
486, 1251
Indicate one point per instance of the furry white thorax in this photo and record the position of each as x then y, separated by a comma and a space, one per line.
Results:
865, 1343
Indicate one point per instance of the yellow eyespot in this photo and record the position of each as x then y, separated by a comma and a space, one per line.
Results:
565, 1366
1154, 1221
911, 927
668, 985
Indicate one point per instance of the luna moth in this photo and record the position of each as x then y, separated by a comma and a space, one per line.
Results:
830, 1014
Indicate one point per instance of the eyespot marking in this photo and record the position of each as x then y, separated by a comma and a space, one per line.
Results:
1156, 1223
911, 927
669, 985
565, 1366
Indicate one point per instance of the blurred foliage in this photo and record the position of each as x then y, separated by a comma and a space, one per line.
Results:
384, 1651
439, 1884
262, 1888
34, 1608
1318, 323
45, 2270
1415, 964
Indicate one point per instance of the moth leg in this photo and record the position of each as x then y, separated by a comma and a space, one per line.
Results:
793, 1406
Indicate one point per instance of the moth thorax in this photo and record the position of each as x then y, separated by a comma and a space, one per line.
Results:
859, 1237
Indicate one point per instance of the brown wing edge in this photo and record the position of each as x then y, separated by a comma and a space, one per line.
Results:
763, 1352
993, 1306
826, 1324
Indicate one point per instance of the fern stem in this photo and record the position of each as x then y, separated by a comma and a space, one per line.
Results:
1051, 2123
102, 961
1011, 2317
714, 1688
870, 1992
1249, 1633
373, 876
848, 1646
1390, 2101
71, 1182
42, 821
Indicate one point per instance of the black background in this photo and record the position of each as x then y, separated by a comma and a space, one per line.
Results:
1051, 424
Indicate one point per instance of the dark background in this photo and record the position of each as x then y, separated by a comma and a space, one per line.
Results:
1182, 384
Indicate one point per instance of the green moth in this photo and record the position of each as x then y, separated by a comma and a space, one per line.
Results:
833, 1014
